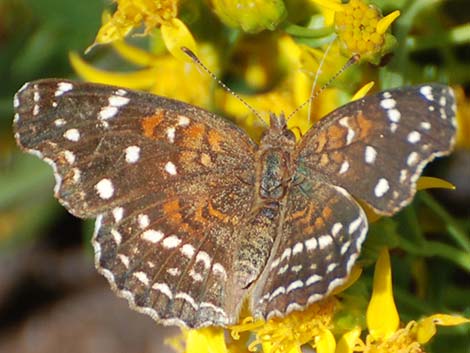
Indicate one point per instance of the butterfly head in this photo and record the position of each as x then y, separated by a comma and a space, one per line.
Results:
278, 134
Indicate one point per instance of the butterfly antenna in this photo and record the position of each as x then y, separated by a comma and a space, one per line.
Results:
197, 61
317, 75
353, 59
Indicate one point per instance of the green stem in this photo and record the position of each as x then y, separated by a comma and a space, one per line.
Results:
299, 31
457, 35
432, 248
454, 229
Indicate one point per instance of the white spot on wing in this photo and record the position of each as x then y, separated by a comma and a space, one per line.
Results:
69, 156
311, 244
152, 236
354, 225
105, 189
72, 135
426, 91
59, 122
388, 103
344, 167
324, 241
188, 250
425, 125
298, 248
170, 168
63, 87
370, 154
217, 268
336, 229
204, 257
278, 291
414, 136
186, 297
143, 221
171, 242
164, 289
394, 115
118, 101
118, 212
183, 121
294, 285
132, 154
124, 259
313, 279
382, 187
412, 159
116, 236
350, 135
107, 112
170, 134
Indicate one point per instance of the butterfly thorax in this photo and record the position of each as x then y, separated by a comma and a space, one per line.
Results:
274, 160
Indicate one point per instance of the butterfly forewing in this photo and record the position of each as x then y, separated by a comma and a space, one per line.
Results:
154, 171
376, 147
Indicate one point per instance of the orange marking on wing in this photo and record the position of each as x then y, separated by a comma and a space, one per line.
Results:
187, 158
327, 212
206, 160
198, 217
322, 139
150, 122
365, 125
337, 157
193, 135
171, 210
307, 217
324, 159
215, 139
319, 223
336, 136
216, 213
298, 214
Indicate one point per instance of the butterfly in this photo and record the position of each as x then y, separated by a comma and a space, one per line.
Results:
193, 216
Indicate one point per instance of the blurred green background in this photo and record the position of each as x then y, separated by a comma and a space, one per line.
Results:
51, 299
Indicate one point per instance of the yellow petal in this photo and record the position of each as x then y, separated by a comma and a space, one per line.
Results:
385, 22
353, 277
210, 340
135, 80
363, 91
325, 342
382, 315
133, 54
427, 327
432, 183
175, 34
330, 4
347, 342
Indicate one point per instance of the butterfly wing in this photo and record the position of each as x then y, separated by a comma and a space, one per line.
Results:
377, 147
167, 182
319, 240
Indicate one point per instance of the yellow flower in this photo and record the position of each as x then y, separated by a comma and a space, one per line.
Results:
153, 14
132, 13
361, 29
160, 74
250, 15
385, 334
463, 118
288, 334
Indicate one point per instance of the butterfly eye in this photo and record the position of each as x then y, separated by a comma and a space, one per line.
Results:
289, 135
